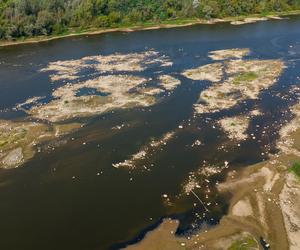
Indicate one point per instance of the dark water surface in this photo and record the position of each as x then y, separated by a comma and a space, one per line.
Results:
43, 207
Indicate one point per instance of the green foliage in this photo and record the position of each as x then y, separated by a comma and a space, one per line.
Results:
245, 77
296, 169
245, 243
26, 18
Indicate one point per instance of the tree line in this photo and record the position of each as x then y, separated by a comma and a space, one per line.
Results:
29, 18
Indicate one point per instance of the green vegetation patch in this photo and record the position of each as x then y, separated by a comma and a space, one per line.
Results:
245, 243
12, 137
296, 169
245, 77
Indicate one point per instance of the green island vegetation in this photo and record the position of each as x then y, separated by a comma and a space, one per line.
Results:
245, 243
21, 19
245, 77
296, 169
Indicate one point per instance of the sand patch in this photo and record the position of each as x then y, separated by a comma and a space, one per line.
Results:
263, 172
120, 92
228, 54
242, 208
249, 20
289, 202
144, 152
163, 237
235, 127
13, 158
211, 72
151, 91
256, 112
169, 83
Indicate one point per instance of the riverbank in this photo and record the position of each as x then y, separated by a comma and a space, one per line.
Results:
238, 20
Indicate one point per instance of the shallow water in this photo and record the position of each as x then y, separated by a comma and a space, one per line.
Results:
59, 201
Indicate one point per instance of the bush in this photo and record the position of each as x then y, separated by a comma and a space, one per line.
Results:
296, 169
103, 21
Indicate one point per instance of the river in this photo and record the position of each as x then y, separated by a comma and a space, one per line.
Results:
69, 196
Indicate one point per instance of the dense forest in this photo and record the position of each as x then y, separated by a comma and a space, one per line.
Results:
27, 18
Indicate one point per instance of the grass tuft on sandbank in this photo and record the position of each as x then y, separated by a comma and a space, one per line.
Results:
296, 169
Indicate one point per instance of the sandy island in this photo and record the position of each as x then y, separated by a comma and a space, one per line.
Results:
234, 80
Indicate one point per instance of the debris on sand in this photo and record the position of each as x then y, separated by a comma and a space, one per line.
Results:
246, 79
30, 101
169, 83
144, 152
131, 162
286, 143
228, 54
70, 69
163, 140
235, 127
197, 178
210, 72
289, 202
165, 83
13, 158
103, 83
190, 185
67, 105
